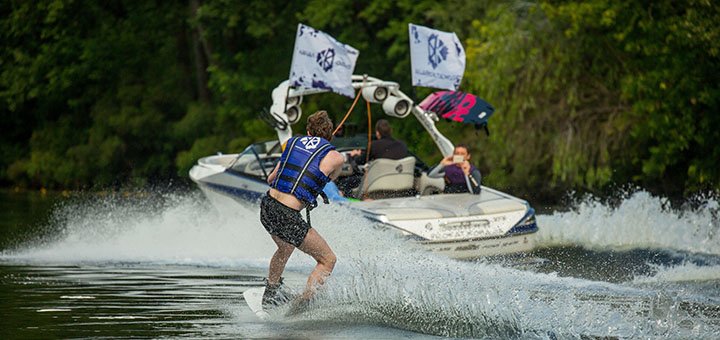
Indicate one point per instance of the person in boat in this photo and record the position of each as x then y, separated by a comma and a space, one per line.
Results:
385, 146
460, 174
305, 166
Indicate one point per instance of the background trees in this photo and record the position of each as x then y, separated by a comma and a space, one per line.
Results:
599, 92
588, 93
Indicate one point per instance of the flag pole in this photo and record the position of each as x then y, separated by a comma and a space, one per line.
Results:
413, 92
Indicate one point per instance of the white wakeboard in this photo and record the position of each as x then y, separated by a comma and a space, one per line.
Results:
253, 298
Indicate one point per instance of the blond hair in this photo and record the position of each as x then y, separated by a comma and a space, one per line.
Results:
320, 125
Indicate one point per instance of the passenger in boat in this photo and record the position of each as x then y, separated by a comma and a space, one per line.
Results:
306, 165
460, 174
385, 146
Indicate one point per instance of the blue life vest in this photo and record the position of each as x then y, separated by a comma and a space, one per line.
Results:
299, 172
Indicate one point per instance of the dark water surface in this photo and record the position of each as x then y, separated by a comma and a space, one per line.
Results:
172, 265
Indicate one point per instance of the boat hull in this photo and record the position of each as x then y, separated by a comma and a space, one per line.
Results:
469, 249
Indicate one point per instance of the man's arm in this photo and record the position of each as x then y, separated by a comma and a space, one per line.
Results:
332, 164
439, 170
273, 174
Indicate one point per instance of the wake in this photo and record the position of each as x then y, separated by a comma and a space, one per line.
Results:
382, 278
639, 221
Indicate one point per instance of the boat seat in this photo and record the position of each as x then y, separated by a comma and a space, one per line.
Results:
426, 185
388, 178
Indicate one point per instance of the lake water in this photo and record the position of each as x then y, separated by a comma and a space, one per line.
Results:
171, 265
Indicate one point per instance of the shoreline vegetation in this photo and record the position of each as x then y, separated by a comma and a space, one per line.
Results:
590, 96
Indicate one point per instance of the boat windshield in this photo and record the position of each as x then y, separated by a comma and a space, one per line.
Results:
258, 160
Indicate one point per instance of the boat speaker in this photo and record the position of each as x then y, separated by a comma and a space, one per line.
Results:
396, 107
293, 114
375, 94
294, 101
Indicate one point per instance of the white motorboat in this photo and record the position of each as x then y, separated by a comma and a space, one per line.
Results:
461, 225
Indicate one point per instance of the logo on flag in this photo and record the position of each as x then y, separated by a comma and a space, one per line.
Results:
437, 51
321, 62
325, 59
437, 58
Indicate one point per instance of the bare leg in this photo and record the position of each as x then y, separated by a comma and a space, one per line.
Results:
279, 259
315, 246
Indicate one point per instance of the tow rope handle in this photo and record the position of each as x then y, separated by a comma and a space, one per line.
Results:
309, 207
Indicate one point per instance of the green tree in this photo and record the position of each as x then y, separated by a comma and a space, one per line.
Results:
584, 93
100, 81
587, 93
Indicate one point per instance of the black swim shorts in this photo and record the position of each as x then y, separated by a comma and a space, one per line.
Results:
283, 221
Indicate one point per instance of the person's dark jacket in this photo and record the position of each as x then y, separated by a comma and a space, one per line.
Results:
387, 147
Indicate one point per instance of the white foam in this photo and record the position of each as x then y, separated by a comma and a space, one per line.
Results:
186, 230
430, 294
640, 221
381, 278
181, 230
681, 273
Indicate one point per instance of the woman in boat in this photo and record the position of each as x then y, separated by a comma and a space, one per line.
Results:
460, 174
306, 165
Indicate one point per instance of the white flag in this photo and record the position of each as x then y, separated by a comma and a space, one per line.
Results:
321, 62
437, 58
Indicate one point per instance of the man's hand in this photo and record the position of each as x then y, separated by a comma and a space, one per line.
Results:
355, 153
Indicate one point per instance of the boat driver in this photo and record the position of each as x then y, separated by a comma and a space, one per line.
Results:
306, 165
385, 146
460, 174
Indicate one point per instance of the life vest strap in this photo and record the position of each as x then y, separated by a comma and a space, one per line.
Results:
282, 167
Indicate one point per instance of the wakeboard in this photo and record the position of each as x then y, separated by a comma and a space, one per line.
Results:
253, 298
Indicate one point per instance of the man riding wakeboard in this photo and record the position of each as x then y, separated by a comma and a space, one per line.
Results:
306, 165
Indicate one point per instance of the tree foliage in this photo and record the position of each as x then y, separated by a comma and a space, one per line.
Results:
588, 93
601, 92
